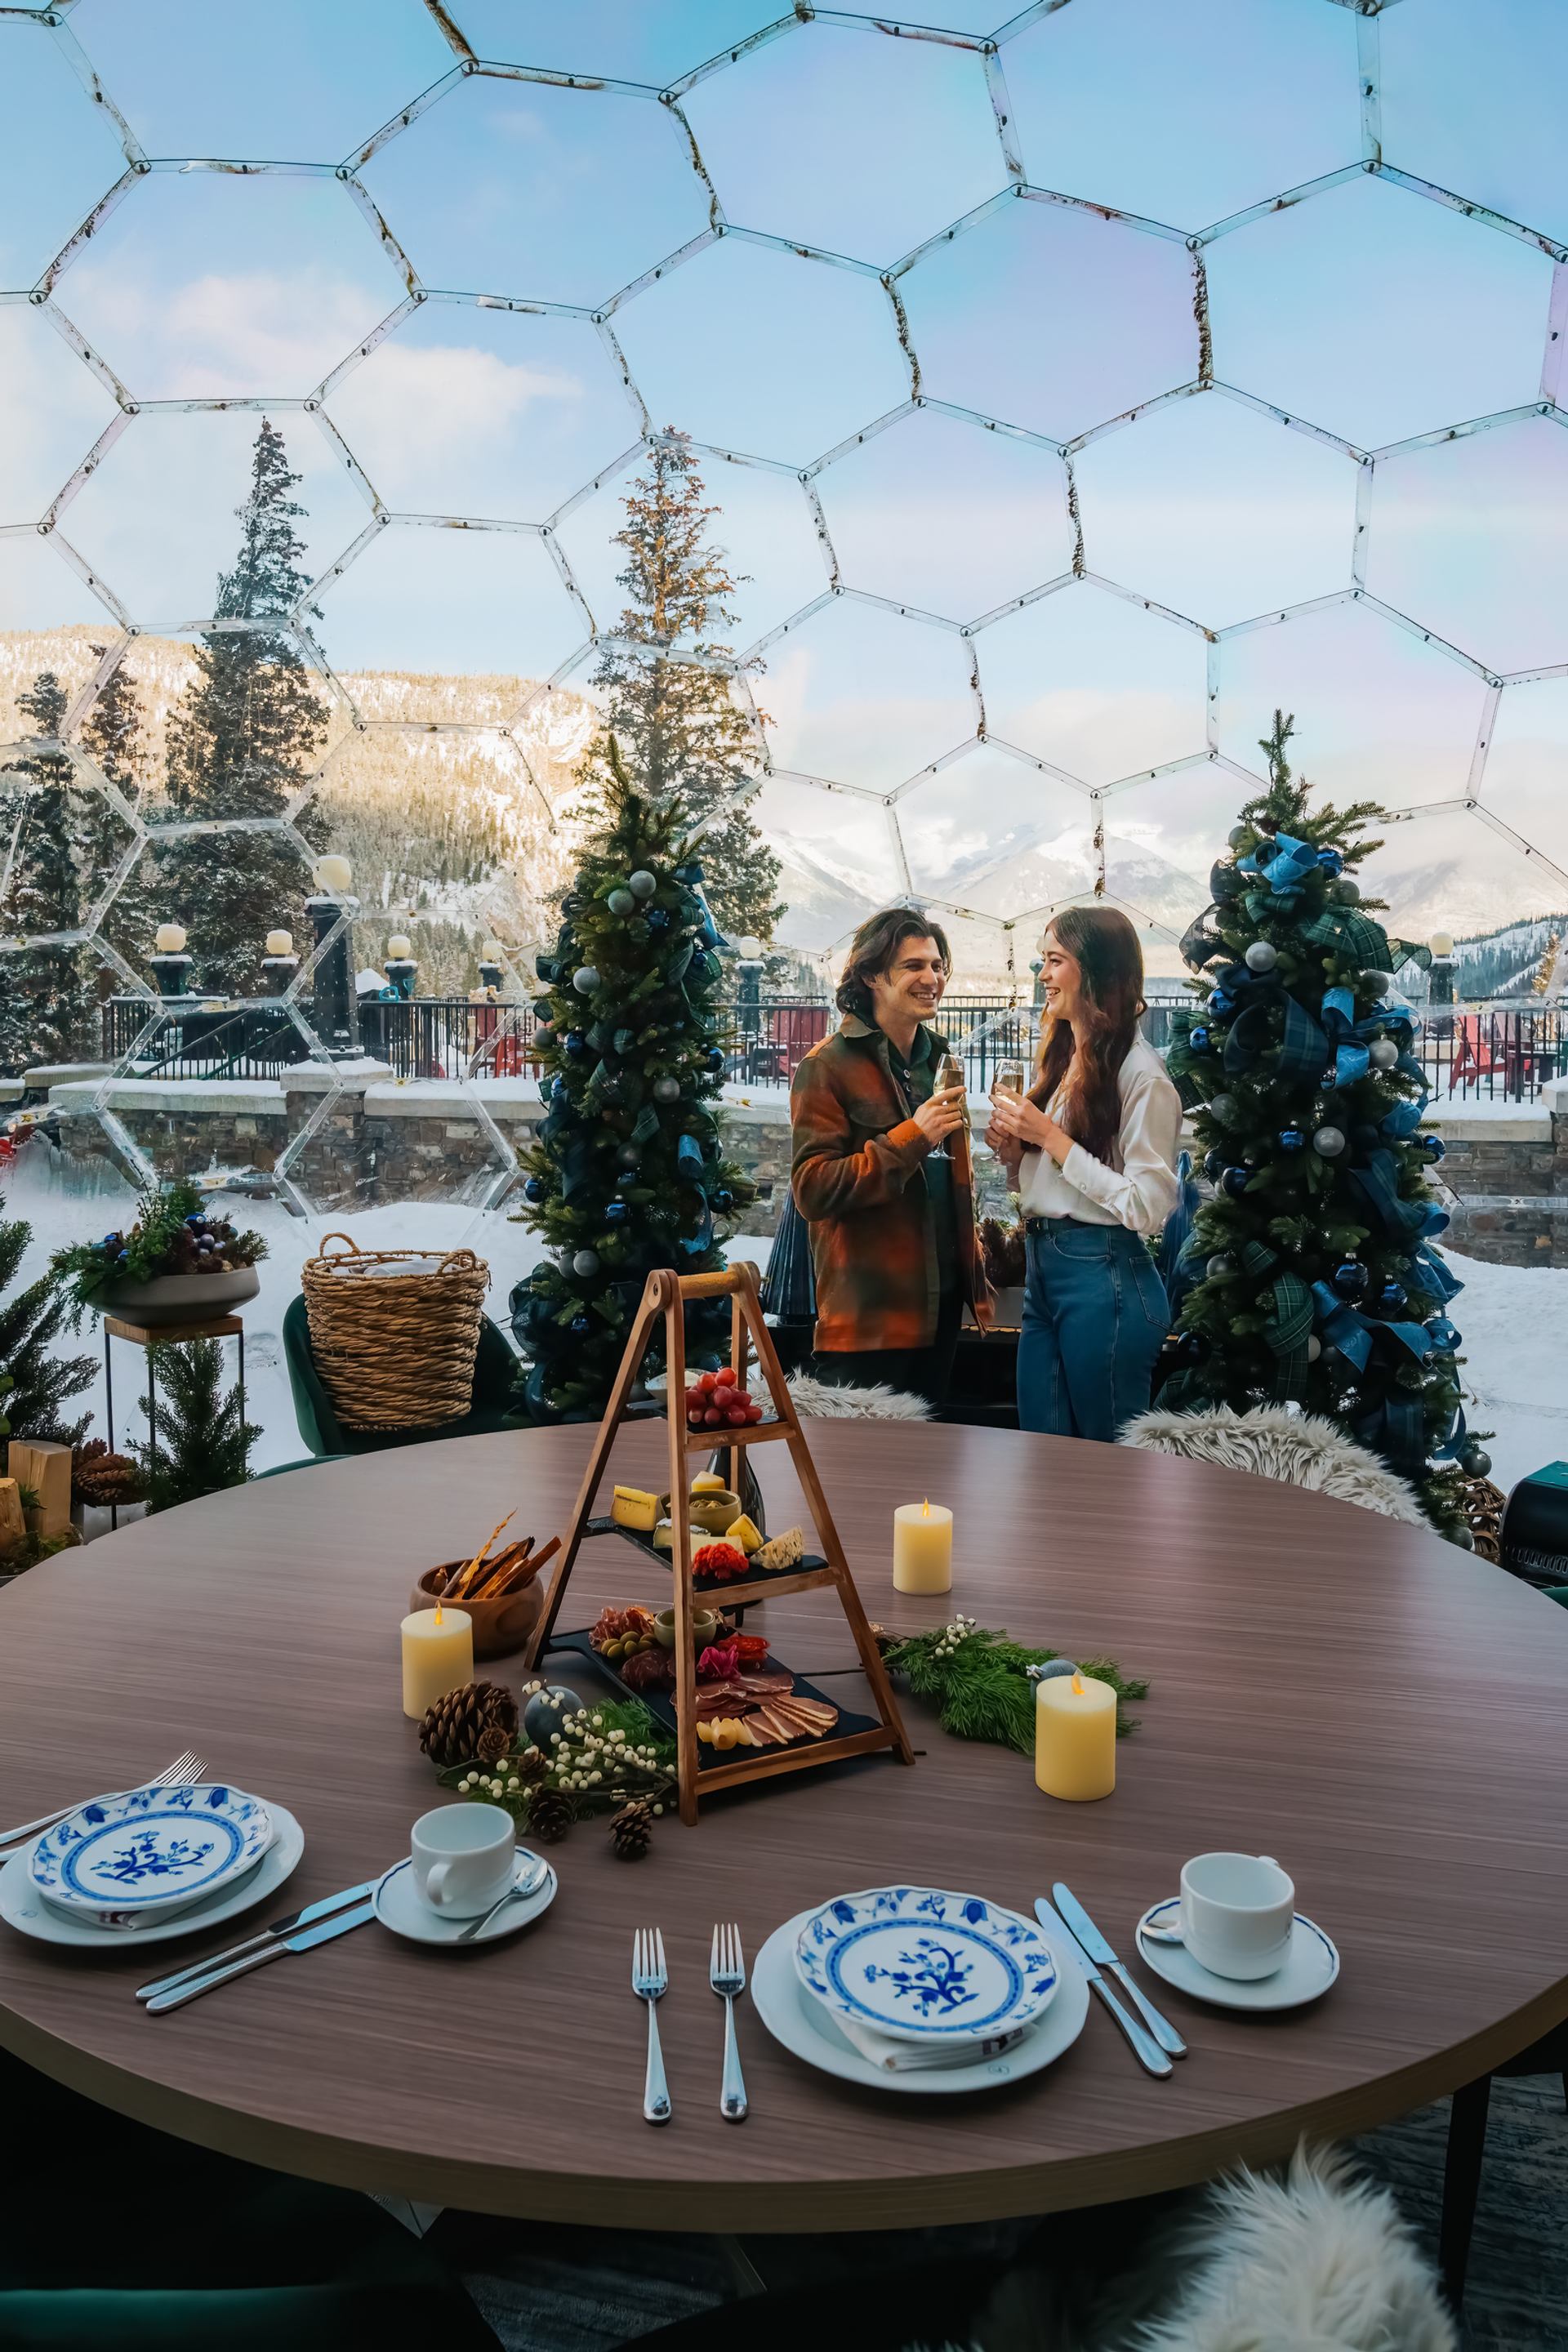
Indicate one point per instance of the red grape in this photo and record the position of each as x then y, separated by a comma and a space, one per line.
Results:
737, 1416
712, 1419
754, 1411
724, 1399
707, 1383
724, 1377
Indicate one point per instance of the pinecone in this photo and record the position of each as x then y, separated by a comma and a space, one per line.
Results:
549, 1814
494, 1742
103, 1478
631, 1829
452, 1728
1483, 1505
529, 1767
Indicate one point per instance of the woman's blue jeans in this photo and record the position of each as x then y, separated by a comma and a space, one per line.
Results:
1095, 1312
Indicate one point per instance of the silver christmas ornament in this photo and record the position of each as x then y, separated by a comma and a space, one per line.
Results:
1382, 1053
1218, 1266
666, 1089
1346, 890
586, 980
642, 884
585, 1262
1314, 1347
1463, 1539
1226, 1109
1261, 956
1475, 1462
1328, 1142
1378, 981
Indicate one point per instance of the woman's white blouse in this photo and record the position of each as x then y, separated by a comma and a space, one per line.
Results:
1138, 1187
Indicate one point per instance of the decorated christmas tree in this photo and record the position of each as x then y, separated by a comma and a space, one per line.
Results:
668, 697
629, 1172
1316, 1281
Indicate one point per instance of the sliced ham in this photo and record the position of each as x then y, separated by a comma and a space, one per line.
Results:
767, 1686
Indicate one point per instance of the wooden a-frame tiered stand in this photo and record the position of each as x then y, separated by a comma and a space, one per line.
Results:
665, 1298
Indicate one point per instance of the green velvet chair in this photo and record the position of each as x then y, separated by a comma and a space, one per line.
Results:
119, 2239
495, 1372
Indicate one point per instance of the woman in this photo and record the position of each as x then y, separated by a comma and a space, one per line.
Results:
1092, 1148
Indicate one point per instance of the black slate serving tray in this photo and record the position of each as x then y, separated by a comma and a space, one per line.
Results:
660, 1705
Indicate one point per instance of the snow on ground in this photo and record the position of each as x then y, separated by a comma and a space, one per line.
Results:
1514, 1319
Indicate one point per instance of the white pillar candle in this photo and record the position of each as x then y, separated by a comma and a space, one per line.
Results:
922, 1547
1075, 1736
437, 1655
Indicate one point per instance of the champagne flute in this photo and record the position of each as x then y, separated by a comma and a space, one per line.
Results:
950, 1073
1009, 1079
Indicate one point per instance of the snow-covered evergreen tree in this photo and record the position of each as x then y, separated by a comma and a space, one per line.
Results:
42, 1012
115, 739
678, 726
242, 741
31, 1323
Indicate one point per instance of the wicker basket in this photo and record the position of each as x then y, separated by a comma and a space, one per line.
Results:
394, 1349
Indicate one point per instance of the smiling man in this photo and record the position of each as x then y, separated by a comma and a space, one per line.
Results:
892, 1219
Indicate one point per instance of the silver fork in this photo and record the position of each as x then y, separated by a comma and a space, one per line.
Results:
727, 1975
182, 1773
649, 1977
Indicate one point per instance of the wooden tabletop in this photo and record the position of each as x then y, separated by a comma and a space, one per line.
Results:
1381, 1711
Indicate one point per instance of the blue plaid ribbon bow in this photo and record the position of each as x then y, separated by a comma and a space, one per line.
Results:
1283, 864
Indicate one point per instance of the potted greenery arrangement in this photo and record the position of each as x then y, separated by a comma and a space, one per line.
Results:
174, 1265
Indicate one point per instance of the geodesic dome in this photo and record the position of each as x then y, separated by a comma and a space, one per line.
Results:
1075, 391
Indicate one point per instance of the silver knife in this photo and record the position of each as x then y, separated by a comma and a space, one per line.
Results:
1095, 1945
323, 1933
287, 1925
1145, 2048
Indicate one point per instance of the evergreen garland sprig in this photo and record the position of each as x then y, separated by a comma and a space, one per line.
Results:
166, 1237
979, 1681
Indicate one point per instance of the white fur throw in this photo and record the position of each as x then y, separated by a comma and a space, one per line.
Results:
1300, 1448
1316, 2260
821, 1401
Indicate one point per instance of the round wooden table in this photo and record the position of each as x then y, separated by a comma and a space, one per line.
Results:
1381, 1711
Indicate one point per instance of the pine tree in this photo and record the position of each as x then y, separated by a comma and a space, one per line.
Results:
114, 738
42, 1010
30, 1323
628, 1172
678, 726
202, 1440
241, 742
1316, 1281
1546, 970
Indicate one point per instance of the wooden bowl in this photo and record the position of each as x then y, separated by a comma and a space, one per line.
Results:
500, 1626
715, 1514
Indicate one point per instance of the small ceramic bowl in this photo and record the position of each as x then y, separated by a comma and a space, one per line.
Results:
500, 1626
705, 1625
715, 1514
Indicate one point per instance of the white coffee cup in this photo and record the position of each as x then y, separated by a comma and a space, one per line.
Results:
1236, 1917
464, 1856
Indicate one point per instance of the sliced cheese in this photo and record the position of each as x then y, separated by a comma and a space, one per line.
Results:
744, 1534
664, 1536
709, 1483
633, 1508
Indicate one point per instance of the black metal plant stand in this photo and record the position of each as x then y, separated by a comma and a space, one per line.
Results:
148, 1336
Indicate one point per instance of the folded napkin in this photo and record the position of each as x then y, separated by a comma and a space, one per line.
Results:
892, 2057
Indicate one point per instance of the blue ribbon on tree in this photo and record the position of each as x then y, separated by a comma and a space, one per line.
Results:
1377, 1180
1302, 1045
1397, 1431
1284, 865
1344, 1326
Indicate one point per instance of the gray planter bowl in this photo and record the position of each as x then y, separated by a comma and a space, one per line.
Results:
182, 1297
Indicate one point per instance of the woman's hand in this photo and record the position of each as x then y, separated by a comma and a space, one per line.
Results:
1019, 1125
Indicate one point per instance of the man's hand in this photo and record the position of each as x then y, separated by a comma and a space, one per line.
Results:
940, 1114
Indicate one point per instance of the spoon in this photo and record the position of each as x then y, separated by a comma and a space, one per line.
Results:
528, 1885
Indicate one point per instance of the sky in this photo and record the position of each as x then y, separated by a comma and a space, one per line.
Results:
1021, 243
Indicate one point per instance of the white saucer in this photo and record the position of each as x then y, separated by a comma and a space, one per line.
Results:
400, 1906
804, 2027
1310, 1968
22, 1907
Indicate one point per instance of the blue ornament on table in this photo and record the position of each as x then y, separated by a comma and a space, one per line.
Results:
535, 1189
642, 884
621, 902
1292, 1139
586, 980
1331, 862
1349, 1279
1234, 1181
1443, 1334
546, 1710
1393, 1297
1052, 1670
585, 1263
1199, 1039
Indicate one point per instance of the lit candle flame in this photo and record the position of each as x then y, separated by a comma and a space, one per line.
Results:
1078, 1683
925, 1508
437, 1612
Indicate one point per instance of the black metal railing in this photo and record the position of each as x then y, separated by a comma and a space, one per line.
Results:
1496, 1055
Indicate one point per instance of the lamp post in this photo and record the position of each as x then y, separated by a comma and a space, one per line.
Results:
400, 967
171, 966
336, 1010
1440, 977
1038, 995
280, 964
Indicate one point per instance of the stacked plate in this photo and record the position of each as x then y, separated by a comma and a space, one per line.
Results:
917, 1989
156, 1862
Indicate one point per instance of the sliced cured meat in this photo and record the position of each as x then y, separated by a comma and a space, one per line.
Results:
766, 1685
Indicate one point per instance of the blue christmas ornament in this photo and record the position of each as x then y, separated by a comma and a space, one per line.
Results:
535, 1189
1198, 1039
713, 1059
617, 1213
575, 1044
1392, 1297
1330, 861
1350, 1279
1234, 1181
1292, 1139
689, 872
659, 918
723, 1200
1436, 1146
546, 1710
1212, 1162
579, 1327
1443, 1334
1221, 1003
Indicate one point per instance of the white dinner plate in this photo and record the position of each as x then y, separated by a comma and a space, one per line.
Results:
1310, 1968
922, 1964
22, 1907
806, 2028
400, 1906
126, 1857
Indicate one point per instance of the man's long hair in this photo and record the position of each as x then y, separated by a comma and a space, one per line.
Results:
873, 949
1087, 1066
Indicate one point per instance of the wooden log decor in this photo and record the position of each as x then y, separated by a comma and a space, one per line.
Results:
46, 1468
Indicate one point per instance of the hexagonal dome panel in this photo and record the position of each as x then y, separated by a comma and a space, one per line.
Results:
1052, 318
1446, 870
521, 188
993, 832
1470, 538
1161, 836
1217, 511
40, 590
163, 554
205, 286
1345, 673
948, 516
1470, 101
1377, 314
839, 859
1525, 780
1096, 685
1182, 114
60, 156
797, 355
865, 697
910, 121
55, 409
623, 39
486, 412
764, 526
293, 83
475, 607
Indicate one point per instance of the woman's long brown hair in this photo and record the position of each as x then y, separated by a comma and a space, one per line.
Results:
1088, 1066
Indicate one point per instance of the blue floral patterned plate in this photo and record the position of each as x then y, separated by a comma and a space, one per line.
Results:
924, 1965
127, 1857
